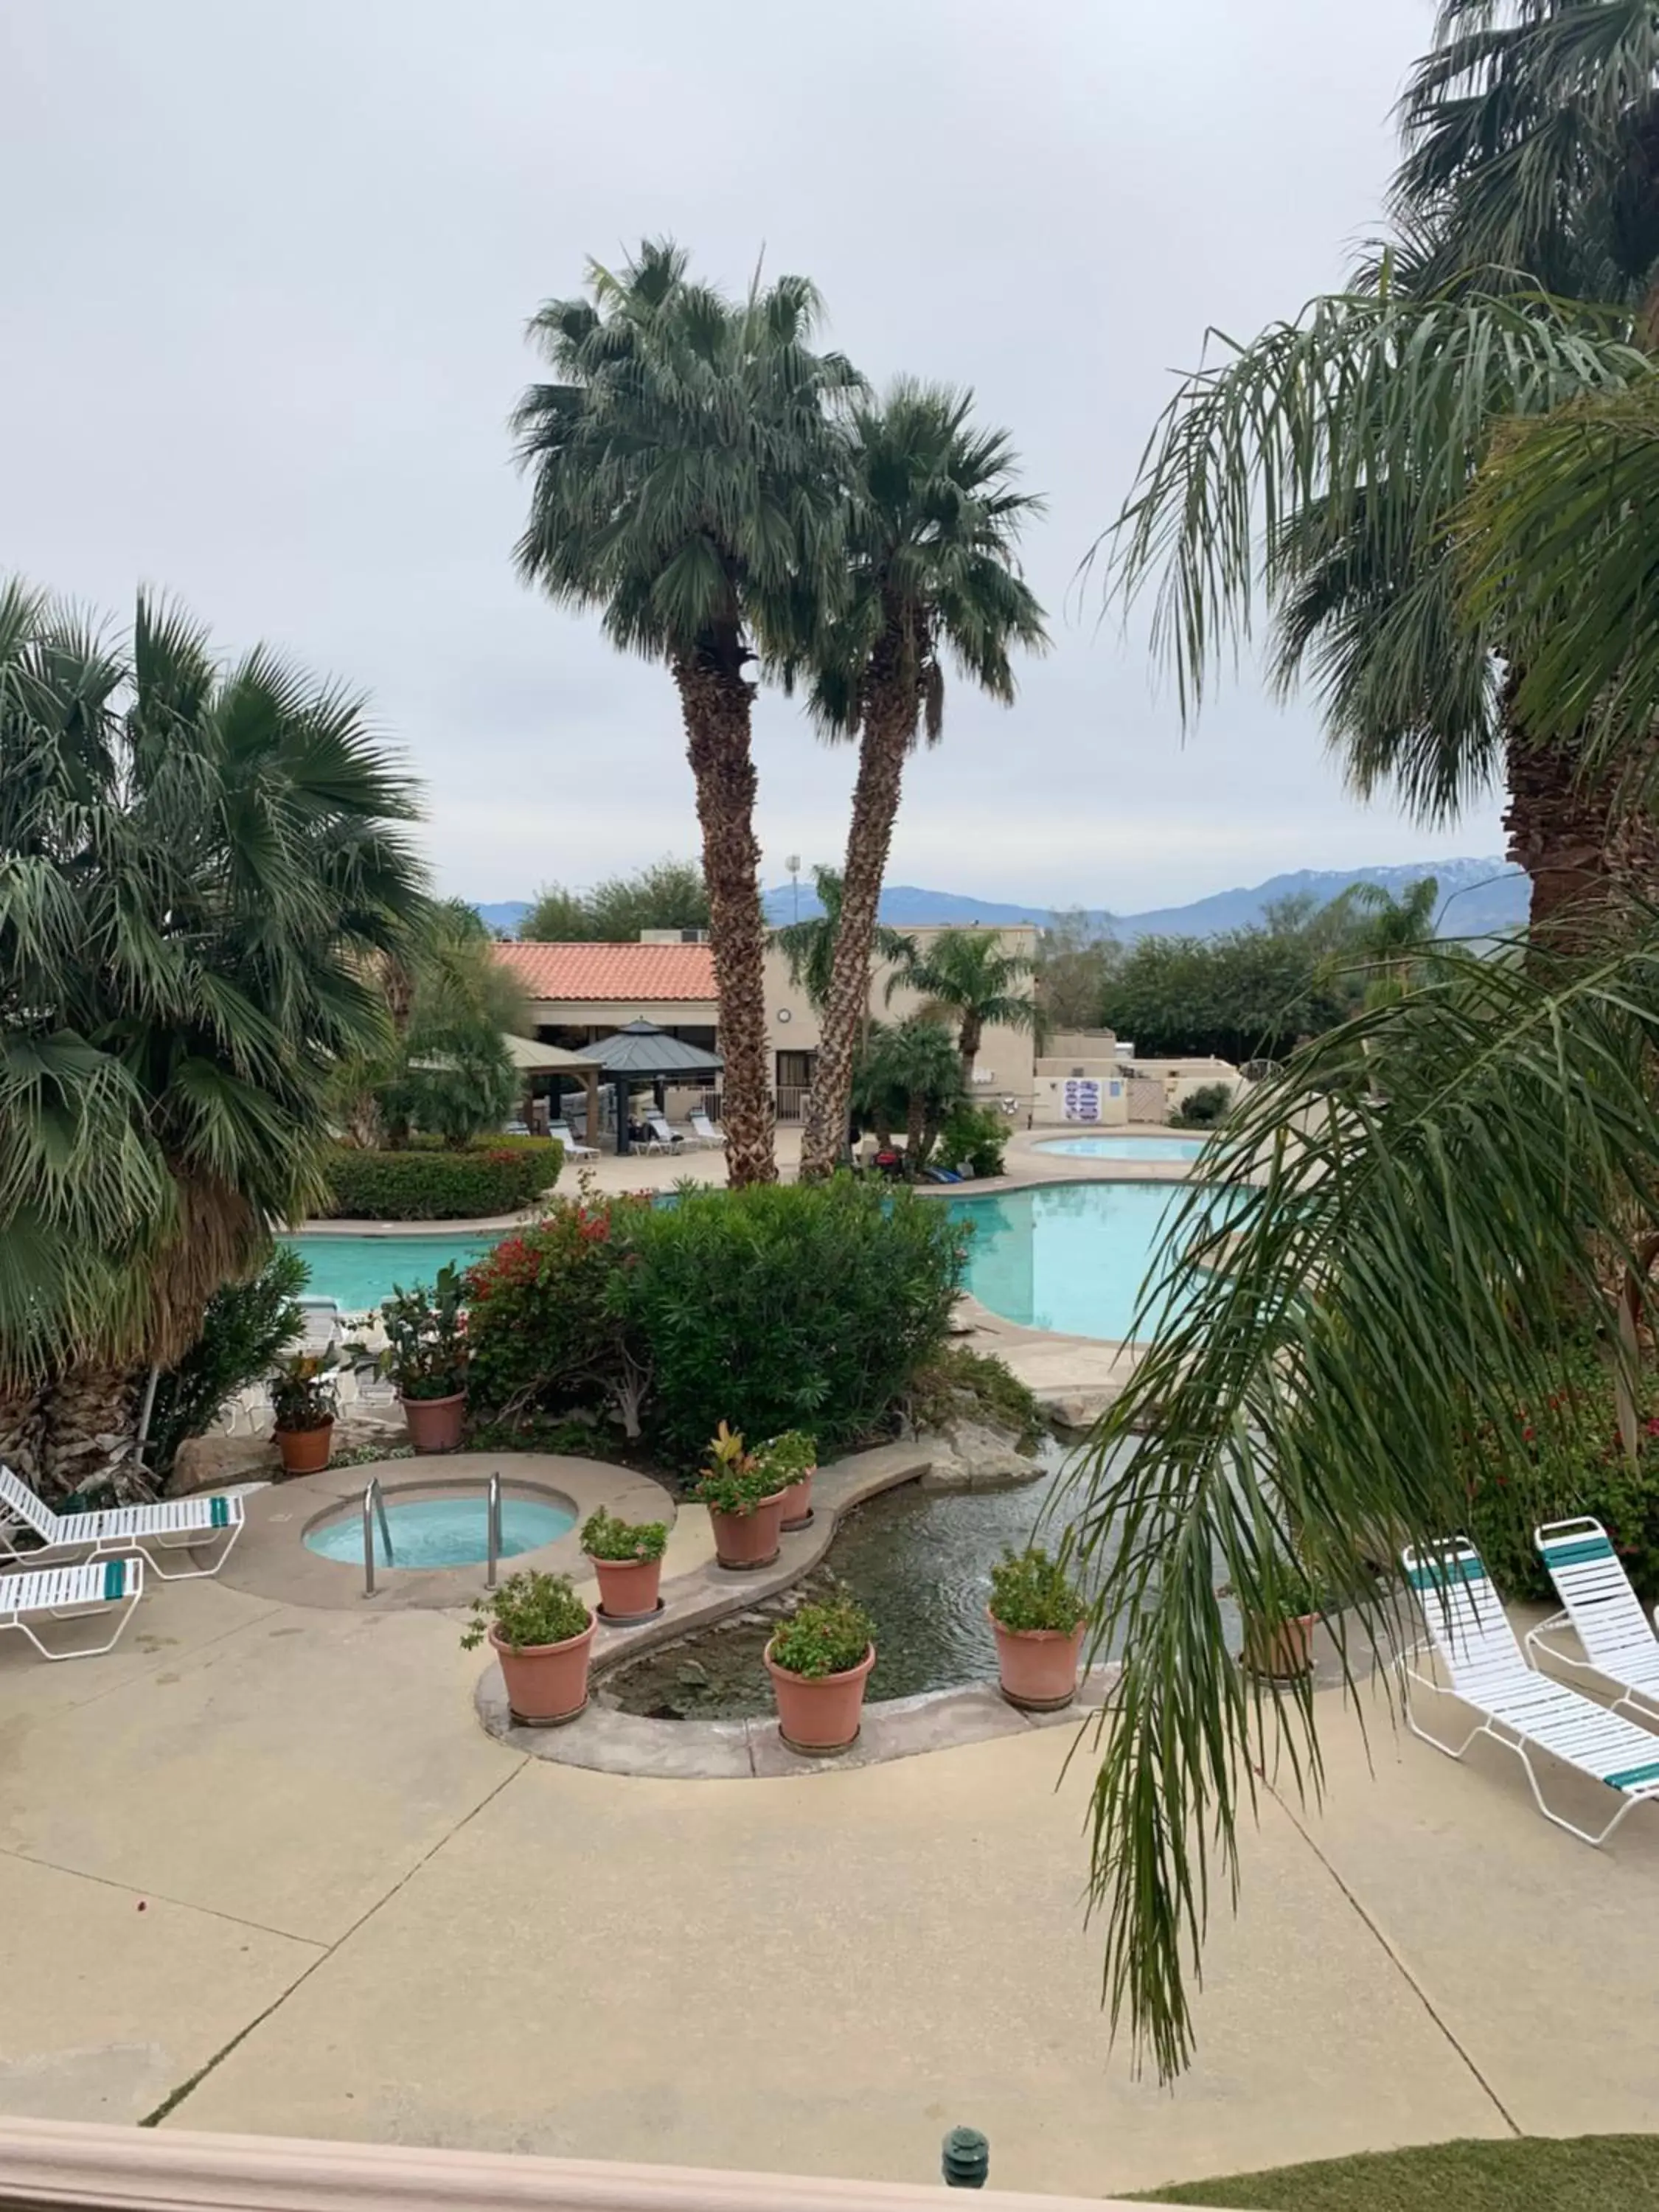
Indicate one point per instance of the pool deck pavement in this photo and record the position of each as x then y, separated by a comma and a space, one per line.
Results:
261, 1869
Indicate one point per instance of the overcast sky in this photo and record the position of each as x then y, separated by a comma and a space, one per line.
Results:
267, 273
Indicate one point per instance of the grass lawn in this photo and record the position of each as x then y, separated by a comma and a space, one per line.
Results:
1536, 2173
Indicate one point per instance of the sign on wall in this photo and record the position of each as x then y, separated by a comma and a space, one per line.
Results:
1080, 1099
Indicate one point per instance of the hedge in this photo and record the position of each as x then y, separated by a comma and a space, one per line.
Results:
425, 1185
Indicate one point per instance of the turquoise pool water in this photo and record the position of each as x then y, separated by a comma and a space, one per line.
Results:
360, 1271
1069, 1257
1127, 1148
444, 1532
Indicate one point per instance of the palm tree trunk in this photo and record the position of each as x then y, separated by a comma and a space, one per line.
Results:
1592, 857
86, 1414
715, 701
969, 1040
888, 728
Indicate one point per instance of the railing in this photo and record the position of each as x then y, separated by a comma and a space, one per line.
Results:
79, 2165
374, 1505
788, 1104
492, 1531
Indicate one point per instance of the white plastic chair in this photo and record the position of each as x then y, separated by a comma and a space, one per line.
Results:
1603, 1610
573, 1150
704, 1132
1519, 1708
176, 1524
662, 1138
70, 1593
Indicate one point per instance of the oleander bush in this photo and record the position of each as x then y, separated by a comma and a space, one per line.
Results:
426, 1183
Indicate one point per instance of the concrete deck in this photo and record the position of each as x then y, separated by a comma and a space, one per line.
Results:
261, 1867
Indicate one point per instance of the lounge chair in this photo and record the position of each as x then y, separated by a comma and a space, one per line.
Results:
176, 1524
662, 1138
703, 1131
66, 1593
1603, 1610
1519, 1708
573, 1150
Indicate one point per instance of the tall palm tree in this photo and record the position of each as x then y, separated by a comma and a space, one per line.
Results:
685, 481
968, 976
199, 866
810, 945
1391, 936
932, 524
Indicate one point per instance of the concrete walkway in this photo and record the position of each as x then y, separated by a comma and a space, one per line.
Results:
262, 1870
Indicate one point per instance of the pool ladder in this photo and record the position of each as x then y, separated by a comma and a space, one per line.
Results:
374, 1508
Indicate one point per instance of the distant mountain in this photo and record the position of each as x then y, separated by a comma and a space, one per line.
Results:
1478, 898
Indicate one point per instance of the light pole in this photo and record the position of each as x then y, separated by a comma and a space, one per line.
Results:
793, 863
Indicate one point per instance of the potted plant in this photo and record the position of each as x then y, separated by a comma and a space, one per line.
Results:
426, 1354
303, 1404
542, 1635
795, 1457
819, 1660
744, 1498
1037, 1616
627, 1557
1281, 1646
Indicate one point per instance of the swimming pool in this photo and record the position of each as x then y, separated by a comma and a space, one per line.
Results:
1126, 1148
359, 1271
1068, 1256
444, 1532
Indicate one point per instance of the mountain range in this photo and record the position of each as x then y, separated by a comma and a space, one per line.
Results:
1478, 898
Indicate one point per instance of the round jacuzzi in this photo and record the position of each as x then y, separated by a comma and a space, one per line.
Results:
446, 1531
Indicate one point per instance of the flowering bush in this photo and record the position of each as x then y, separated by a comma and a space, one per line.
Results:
543, 1327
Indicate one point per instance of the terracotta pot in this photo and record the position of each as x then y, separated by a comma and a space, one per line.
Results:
436, 1423
819, 1713
742, 1541
306, 1451
1280, 1653
546, 1683
627, 1588
798, 1501
1037, 1668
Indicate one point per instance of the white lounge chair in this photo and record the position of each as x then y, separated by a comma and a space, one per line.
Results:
572, 1149
704, 1132
1519, 1708
662, 1138
1602, 1609
176, 1524
68, 1593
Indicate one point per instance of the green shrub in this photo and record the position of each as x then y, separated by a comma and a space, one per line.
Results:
974, 1137
544, 1329
303, 1394
604, 1536
786, 1306
792, 1456
427, 1350
959, 1385
736, 1480
1203, 1108
246, 1328
427, 1184
826, 1638
527, 1610
1030, 1590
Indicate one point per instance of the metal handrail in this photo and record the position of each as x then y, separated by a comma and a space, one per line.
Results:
493, 1516
373, 1503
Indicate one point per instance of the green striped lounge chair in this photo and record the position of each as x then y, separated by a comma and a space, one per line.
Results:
72, 1594
176, 1525
1524, 1711
1602, 1610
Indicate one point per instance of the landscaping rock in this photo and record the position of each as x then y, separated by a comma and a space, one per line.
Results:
974, 1457
209, 1463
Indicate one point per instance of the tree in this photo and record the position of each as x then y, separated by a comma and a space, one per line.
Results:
931, 527
1077, 956
967, 975
810, 945
452, 1076
201, 866
1246, 994
1393, 932
684, 480
1400, 1264
558, 915
908, 1071
668, 895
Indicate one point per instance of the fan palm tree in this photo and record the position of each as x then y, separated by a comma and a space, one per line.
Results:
966, 976
932, 526
684, 480
199, 866
809, 946
907, 1071
1399, 1265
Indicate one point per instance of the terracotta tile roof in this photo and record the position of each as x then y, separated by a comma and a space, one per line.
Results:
645, 973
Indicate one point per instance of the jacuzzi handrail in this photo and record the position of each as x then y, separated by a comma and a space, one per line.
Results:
373, 1503
493, 1520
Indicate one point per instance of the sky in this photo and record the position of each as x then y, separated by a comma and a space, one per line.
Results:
266, 301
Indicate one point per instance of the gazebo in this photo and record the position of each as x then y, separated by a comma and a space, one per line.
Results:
644, 1053
532, 1057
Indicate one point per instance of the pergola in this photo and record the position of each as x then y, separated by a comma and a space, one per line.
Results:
532, 1057
643, 1053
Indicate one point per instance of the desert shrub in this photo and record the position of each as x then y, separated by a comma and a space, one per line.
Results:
786, 1306
959, 1385
973, 1136
1203, 1108
425, 1183
529, 1609
246, 1328
544, 1327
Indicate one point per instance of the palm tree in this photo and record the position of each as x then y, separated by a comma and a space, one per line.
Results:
685, 481
932, 526
810, 945
1397, 1267
967, 975
1392, 937
908, 1071
201, 866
